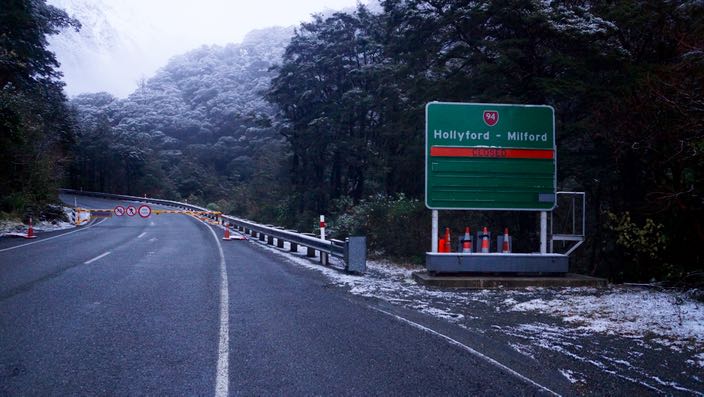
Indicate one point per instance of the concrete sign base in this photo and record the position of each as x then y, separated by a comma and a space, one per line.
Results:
471, 281
496, 263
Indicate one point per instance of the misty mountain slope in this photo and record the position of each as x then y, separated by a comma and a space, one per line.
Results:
198, 117
115, 48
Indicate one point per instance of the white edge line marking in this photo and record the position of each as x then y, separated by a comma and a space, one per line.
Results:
222, 379
51, 238
103, 255
467, 348
142, 235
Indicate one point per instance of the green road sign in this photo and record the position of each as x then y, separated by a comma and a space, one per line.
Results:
489, 156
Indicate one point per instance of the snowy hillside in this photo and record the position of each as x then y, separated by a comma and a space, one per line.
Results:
124, 43
106, 54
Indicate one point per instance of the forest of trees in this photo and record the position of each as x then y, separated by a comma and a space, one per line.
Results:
36, 128
329, 119
199, 130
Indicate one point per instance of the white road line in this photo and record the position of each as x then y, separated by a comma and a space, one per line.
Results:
468, 349
88, 262
141, 235
51, 238
222, 380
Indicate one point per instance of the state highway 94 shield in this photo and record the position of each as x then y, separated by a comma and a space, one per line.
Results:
482, 156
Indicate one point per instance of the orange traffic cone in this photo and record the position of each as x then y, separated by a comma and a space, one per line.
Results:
485, 240
506, 249
441, 245
448, 243
30, 231
227, 232
466, 244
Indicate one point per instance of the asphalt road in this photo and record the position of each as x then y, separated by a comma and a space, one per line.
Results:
127, 306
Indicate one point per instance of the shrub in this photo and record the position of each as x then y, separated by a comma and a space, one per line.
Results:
395, 226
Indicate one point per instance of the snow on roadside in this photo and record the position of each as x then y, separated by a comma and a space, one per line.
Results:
14, 228
388, 282
667, 318
571, 376
650, 319
678, 321
697, 359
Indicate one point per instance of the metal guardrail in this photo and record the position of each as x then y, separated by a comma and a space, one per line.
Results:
353, 251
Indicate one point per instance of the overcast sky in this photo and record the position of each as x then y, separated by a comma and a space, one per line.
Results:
124, 41
223, 21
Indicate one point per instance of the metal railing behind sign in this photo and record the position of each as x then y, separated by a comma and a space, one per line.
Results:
568, 221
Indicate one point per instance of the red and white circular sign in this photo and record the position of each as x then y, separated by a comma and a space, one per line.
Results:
131, 210
119, 210
144, 211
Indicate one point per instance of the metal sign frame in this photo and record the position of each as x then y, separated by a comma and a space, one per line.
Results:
490, 107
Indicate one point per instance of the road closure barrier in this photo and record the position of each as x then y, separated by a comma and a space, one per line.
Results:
352, 250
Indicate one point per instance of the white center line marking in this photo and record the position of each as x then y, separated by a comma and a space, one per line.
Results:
468, 349
96, 258
141, 235
51, 238
222, 380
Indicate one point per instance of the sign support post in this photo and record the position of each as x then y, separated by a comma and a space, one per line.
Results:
543, 232
434, 242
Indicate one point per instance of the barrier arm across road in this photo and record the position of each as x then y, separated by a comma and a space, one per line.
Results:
353, 250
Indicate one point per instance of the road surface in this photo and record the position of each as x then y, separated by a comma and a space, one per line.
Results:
163, 306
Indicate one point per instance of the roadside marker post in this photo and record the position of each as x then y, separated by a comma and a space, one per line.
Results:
323, 255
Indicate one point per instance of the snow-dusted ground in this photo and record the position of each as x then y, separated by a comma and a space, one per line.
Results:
16, 228
673, 318
676, 320
652, 338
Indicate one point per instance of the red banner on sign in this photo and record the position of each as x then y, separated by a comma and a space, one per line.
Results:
438, 151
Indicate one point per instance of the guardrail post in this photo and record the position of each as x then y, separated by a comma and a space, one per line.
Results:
310, 252
279, 243
294, 247
270, 240
356, 254
323, 258
262, 237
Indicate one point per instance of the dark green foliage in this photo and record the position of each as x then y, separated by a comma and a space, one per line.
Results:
36, 128
396, 227
625, 78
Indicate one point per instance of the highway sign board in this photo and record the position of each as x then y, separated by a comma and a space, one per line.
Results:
119, 210
144, 211
131, 211
489, 156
